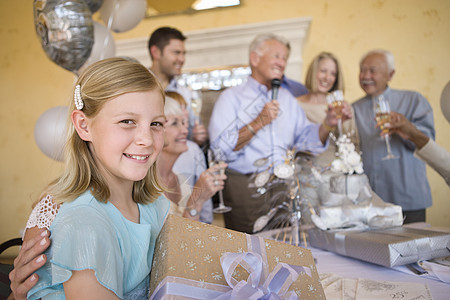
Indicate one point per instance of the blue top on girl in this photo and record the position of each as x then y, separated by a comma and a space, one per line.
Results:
103, 236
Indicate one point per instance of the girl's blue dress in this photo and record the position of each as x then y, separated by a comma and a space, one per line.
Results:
88, 234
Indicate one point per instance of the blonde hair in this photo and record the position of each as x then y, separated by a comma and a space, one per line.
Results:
177, 97
172, 107
101, 82
310, 81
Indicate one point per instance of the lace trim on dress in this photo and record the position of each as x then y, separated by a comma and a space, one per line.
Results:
43, 213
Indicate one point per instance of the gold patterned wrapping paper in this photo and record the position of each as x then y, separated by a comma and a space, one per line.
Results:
190, 251
387, 247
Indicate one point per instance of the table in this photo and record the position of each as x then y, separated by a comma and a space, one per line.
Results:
329, 262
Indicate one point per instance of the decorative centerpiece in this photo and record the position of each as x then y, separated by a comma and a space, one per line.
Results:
348, 164
348, 201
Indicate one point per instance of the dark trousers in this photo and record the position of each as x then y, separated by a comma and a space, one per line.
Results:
414, 216
247, 205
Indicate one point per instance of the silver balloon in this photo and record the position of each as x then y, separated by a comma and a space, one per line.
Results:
445, 101
66, 31
94, 5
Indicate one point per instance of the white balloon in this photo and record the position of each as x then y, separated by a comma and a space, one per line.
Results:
104, 46
445, 101
123, 14
50, 132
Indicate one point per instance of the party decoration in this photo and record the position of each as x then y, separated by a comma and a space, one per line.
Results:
94, 5
123, 15
445, 101
104, 46
50, 132
66, 31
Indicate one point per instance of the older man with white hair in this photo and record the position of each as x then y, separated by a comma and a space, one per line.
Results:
250, 121
402, 180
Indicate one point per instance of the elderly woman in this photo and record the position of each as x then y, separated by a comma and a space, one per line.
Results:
185, 199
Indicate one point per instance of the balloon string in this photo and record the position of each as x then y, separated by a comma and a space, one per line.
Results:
110, 21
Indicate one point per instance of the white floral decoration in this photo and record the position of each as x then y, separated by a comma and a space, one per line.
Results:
288, 254
235, 273
191, 265
183, 246
230, 236
201, 283
213, 237
172, 268
216, 276
208, 258
347, 161
199, 243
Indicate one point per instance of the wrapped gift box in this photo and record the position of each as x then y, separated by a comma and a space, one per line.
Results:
388, 247
187, 264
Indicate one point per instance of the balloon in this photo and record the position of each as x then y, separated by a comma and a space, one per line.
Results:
445, 101
123, 15
104, 46
50, 132
65, 30
94, 5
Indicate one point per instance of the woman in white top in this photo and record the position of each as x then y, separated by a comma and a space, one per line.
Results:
185, 200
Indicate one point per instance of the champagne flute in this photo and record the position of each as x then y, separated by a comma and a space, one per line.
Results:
222, 208
383, 118
196, 104
336, 99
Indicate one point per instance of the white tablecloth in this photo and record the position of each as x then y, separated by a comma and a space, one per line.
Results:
329, 262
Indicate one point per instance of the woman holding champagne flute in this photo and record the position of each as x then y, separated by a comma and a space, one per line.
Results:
186, 201
324, 78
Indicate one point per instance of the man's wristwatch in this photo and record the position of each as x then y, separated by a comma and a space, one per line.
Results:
193, 212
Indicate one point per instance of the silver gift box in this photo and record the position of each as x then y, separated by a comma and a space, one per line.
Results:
387, 247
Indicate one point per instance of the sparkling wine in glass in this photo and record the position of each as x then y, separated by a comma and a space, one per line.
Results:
383, 118
196, 104
221, 209
212, 160
336, 99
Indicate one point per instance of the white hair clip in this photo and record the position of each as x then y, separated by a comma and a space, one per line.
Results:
77, 97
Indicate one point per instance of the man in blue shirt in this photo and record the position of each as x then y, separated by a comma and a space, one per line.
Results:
403, 180
248, 123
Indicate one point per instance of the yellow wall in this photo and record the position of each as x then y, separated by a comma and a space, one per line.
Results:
416, 31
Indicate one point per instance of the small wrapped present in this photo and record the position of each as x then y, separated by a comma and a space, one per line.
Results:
194, 260
387, 247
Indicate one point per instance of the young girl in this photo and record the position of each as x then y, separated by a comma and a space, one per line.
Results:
104, 233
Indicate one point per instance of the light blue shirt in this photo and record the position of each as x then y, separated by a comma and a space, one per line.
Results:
296, 88
240, 105
402, 181
88, 234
